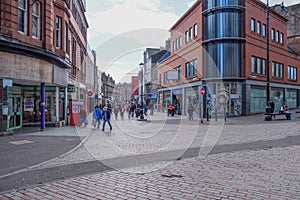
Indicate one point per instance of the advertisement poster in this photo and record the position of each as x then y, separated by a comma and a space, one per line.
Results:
28, 104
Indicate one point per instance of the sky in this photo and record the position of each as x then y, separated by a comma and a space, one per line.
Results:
120, 30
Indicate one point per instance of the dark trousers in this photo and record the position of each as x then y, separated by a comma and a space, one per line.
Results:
104, 122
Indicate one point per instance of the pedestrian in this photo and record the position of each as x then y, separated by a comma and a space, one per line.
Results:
132, 109
171, 110
151, 106
122, 111
116, 111
83, 118
190, 112
97, 116
272, 105
106, 118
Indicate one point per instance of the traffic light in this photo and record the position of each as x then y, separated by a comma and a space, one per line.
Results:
203, 90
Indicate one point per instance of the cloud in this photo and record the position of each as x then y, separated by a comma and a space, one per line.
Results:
124, 16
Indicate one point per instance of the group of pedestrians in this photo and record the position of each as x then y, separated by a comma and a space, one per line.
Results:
100, 113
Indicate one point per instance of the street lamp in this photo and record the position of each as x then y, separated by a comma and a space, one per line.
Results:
269, 8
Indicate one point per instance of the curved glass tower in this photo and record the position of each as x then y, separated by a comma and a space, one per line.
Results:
223, 38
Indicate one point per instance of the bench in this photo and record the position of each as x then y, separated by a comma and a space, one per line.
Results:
273, 115
297, 111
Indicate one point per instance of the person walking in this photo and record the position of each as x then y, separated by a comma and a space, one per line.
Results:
190, 112
116, 111
97, 116
83, 118
106, 118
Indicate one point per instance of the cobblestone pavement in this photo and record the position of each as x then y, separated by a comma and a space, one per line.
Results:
264, 174
131, 137
272, 173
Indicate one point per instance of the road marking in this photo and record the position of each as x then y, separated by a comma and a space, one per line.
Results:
21, 142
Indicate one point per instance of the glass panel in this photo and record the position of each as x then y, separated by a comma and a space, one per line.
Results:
21, 20
22, 4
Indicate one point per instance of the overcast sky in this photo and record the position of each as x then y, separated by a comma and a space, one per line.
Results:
110, 21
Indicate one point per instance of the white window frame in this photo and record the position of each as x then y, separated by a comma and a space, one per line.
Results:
292, 73
58, 33
25, 11
258, 27
38, 20
195, 30
191, 33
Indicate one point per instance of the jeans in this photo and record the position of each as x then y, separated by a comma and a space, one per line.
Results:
104, 122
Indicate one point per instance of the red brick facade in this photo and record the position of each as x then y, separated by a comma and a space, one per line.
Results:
254, 46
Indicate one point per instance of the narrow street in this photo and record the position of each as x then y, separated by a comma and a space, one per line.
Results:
251, 159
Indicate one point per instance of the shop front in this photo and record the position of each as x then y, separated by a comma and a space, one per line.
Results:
10, 105
54, 104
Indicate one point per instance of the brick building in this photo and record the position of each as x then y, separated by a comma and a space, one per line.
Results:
42, 52
222, 46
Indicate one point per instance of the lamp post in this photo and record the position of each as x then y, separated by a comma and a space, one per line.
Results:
142, 83
269, 8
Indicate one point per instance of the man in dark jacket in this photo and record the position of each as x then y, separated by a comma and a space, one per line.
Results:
106, 118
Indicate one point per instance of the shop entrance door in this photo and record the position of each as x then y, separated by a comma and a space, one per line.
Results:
14, 119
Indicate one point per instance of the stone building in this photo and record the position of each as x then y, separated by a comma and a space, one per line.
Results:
42, 51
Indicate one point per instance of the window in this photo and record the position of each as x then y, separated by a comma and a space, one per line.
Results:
252, 25
277, 70
22, 16
191, 69
281, 38
74, 48
191, 33
58, 32
66, 44
258, 27
277, 36
292, 73
180, 41
179, 70
186, 36
166, 80
36, 20
258, 65
273, 34
174, 46
177, 43
264, 30
195, 30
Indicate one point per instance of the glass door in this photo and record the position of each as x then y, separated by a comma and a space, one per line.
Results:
14, 120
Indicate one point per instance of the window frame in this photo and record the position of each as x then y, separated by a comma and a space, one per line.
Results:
191, 68
252, 25
258, 65
277, 70
264, 30
58, 32
258, 27
292, 73
25, 17
195, 30
38, 17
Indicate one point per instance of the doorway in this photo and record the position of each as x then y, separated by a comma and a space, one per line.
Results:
14, 117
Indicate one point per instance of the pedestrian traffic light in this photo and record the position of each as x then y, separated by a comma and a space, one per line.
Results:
203, 90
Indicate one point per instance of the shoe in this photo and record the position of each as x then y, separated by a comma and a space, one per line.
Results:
102, 129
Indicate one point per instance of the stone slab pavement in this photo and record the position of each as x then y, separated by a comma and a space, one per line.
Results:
270, 173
